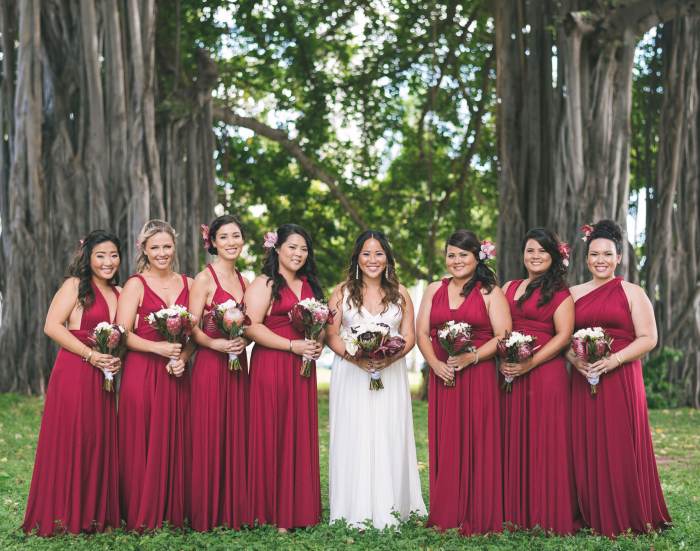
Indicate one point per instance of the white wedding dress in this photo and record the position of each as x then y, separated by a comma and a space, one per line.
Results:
373, 467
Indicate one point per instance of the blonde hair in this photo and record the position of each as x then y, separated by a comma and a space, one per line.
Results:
151, 228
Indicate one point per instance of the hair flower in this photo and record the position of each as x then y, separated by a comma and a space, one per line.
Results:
587, 230
138, 246
565, 252
487, 250
81, 242
204, 229
270, 239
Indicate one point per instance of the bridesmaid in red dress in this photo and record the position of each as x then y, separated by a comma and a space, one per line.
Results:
538, 481
75, 483
464, 422
154, 415
219, 397
616, 478
283, 465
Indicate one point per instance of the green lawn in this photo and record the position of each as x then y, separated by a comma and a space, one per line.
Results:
676, 437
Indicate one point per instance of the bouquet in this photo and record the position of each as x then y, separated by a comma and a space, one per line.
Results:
456, 338
230, 318
372, 340
515, 348
174, 323
109, 338
592, 344
310, 316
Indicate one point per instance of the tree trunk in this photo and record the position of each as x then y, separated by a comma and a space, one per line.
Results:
83, 151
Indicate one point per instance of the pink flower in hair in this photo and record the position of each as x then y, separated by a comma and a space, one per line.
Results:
204, 229
587, 230
565, 252
138, 246
487, 251
270, 239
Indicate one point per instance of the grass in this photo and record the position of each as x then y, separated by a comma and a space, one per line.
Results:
676, 437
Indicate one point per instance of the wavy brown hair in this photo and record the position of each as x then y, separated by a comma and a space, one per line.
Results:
80, 266
390, 281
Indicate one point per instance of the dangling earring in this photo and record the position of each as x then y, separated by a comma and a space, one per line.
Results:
387, 271
357, 271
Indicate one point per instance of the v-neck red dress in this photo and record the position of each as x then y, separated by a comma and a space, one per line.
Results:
283, 464
75, 485
219, 430
154, 430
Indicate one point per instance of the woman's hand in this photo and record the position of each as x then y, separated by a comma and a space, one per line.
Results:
458, 363
234, 346
516, 369
579, 364
176, 367
102, 361
166, 349
444, 371
601, 367
307, 348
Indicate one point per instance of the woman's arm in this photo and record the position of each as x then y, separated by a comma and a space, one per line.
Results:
425, 344
258, 298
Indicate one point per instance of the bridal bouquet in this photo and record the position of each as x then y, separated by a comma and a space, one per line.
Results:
592, 344
456, 338
109, 338
310, 316
231, 320
515, 348
174, 323
372, 340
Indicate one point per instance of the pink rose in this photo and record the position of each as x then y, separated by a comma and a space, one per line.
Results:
174, 325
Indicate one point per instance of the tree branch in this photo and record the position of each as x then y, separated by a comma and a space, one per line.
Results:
223, 113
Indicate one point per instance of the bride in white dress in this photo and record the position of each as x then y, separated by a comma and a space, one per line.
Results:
373, 467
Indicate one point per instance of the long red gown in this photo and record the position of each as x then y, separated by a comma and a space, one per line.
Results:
616, 478
154, 430
219, 431
284, 485
464, 429
538, 470
75, 486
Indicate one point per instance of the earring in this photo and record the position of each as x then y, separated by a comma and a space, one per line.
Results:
357, 271
387, 271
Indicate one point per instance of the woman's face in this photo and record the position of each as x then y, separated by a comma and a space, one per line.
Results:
293, 253
372, 259
602, 258
160, 250
104, 260
228, 241
536, 259
460, 263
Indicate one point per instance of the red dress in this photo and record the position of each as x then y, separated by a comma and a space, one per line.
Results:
284, 485
154, 430
616, 478
219, 432
75, 486
538, 470
464, 428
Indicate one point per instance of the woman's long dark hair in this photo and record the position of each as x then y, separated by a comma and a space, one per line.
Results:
606, 229
554, 279
271, 264
80, 266
468, 241
216, 225
390, 281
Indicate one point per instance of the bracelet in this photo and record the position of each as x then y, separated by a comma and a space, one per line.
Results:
476, 357
619, 361
290, 345
87, 358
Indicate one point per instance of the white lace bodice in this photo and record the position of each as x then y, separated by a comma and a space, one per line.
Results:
352, 316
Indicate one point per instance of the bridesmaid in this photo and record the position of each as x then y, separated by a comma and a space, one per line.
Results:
538, 482
219, 396
154, 415
615, 469
75, 486
283, 463
464, 427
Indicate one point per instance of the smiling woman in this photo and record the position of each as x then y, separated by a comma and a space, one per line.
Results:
75, 486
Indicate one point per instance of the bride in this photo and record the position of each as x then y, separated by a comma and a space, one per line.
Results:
373, 468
